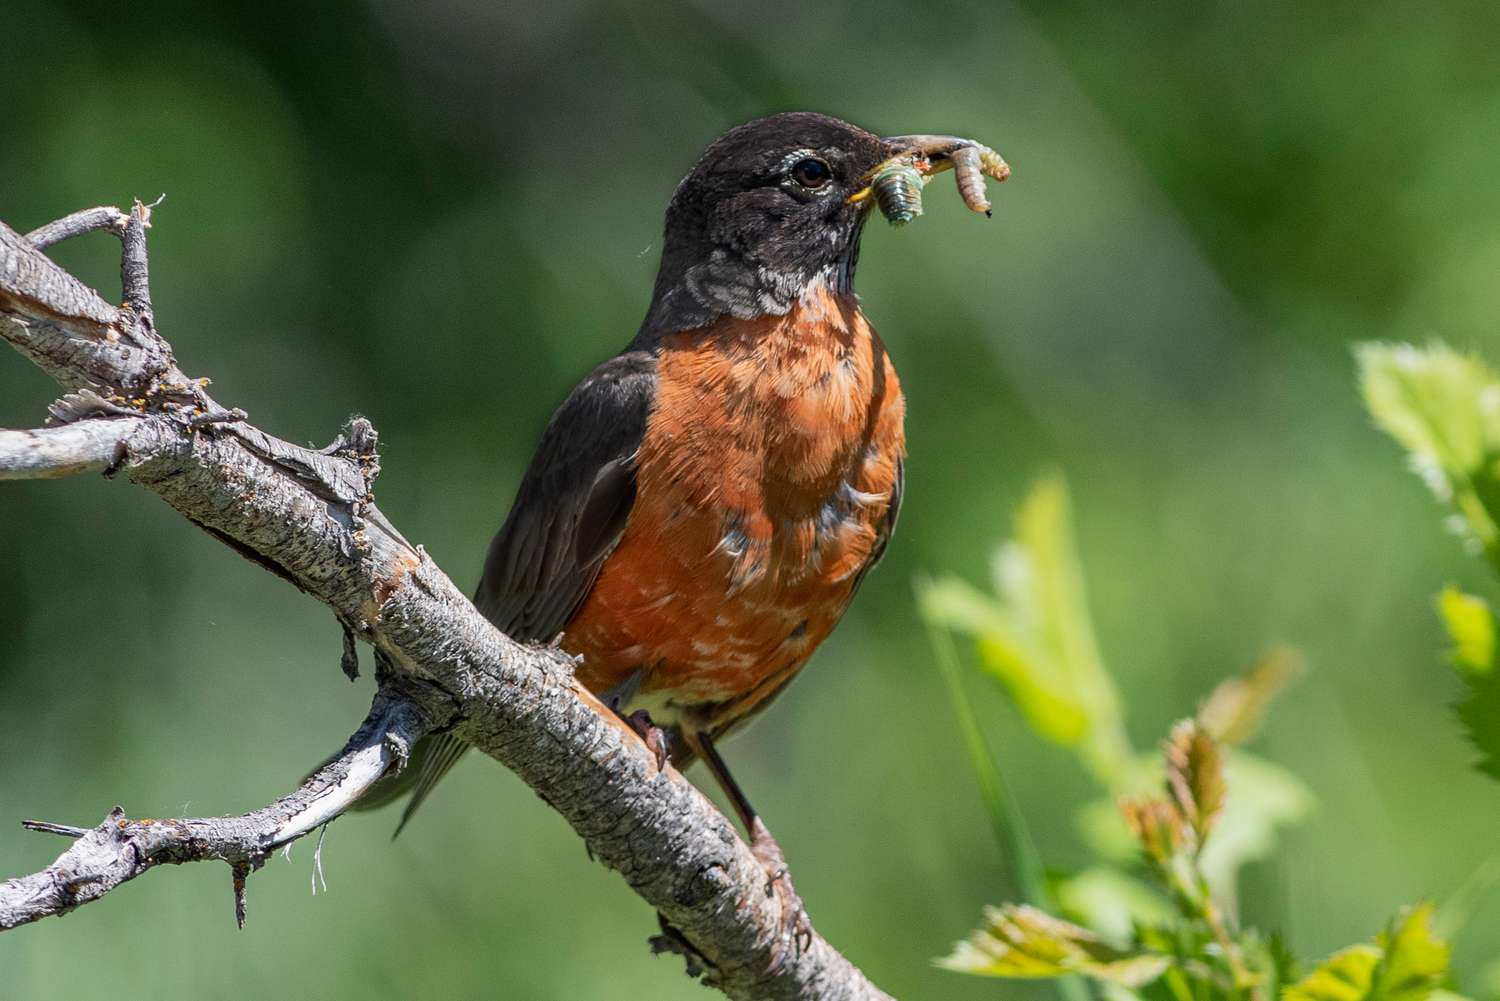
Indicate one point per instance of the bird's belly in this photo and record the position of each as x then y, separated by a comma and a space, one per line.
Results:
765, 476
666, 603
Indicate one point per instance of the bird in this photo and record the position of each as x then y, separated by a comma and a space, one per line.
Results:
704, 505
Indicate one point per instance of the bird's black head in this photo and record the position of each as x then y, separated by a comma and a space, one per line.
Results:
764, 214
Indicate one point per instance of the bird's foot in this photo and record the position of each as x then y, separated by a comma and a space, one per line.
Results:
653, 735
796, 928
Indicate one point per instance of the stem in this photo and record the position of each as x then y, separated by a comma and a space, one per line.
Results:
1016, 845
1192, 891
1177, 983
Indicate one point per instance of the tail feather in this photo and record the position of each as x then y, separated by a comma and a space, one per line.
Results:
431, 758
437, 756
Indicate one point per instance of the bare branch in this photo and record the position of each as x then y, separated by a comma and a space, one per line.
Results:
66, 830
308, 516
51, 453
87, 221
135, 278
120, 849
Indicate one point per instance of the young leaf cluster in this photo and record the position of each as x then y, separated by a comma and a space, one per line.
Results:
1155, 919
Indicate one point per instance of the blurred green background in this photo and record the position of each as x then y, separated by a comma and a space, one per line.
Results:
442, 215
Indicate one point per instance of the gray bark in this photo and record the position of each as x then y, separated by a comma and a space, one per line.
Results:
48, 453
84, 221
120, 849
309, 517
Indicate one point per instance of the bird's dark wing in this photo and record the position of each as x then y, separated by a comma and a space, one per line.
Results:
572, 504
568, 515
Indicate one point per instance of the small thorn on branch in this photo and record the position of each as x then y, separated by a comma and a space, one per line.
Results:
349, 662
240, 872
117, 461
66, 830
672, 941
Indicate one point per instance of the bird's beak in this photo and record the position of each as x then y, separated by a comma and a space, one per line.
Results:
929, 155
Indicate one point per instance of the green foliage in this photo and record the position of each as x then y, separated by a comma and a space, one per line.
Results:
1267, 798
1471, 628
1405, 963
1196, 946
438, 215
1188, 819
1021, 941
1344, 976
1111, 901
1035, 633
1479, 711
1444, 408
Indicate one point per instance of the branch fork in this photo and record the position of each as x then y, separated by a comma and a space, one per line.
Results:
309, 517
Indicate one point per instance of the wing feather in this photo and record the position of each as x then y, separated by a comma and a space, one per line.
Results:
568, 515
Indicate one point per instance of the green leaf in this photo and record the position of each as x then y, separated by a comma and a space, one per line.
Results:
959, 605
1414, 962
1479, 710
1046, 703
1283, 965
1344, 976
1444, 408
1035, 635
1431, 401
1471, 628
1023, 942
1110, 902
1405, 963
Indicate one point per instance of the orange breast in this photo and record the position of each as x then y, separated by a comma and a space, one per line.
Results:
768, 463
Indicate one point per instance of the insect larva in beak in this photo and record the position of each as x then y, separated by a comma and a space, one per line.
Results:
968, 169
898, 191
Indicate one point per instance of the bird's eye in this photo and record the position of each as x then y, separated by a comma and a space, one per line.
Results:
810, 172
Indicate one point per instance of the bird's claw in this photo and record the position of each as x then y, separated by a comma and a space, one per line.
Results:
655, 739
796, 927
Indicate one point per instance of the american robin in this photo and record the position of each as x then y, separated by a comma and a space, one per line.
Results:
704, 505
